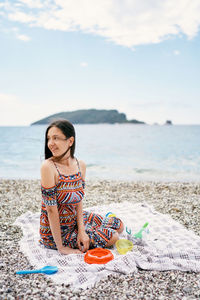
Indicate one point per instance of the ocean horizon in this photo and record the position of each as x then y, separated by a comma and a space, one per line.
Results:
126, 152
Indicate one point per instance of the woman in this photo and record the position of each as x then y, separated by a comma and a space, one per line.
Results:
63, 223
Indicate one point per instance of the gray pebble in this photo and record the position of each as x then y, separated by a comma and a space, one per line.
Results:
180, 200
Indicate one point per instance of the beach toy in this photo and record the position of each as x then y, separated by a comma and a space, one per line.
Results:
110, 214
138, 235
46, 270
128, 230
98, 256
123, 246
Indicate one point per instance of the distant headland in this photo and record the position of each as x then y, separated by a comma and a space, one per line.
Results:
89, 116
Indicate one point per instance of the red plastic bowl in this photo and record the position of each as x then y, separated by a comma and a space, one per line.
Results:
98, 256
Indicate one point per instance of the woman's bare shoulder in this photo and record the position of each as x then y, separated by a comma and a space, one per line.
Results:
47, 165
47, 173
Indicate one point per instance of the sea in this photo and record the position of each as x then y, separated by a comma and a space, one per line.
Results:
122, 152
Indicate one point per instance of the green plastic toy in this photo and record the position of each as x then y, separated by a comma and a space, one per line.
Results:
138, 235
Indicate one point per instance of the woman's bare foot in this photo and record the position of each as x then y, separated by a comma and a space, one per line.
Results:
67, 250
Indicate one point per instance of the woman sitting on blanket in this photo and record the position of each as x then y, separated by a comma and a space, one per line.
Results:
63, 223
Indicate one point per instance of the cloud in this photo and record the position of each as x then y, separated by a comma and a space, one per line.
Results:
9, 106
23, 37
31, 3
14, 111
16, 32
21, 17
18, 35
84, 64
5, 99
176, 52
124, 22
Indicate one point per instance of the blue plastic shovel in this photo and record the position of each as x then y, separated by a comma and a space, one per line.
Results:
46, 270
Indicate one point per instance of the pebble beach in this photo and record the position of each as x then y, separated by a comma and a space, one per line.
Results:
178, 199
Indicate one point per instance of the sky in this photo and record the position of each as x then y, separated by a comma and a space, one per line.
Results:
140, 57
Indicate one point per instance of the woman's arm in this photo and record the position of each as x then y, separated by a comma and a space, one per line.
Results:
48, 181
79, 211
83, 239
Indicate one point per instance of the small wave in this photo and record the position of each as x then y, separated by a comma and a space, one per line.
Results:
137, 174
144, 171
91, 165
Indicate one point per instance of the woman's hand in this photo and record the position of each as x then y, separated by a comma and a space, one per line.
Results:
83, 241
68, 250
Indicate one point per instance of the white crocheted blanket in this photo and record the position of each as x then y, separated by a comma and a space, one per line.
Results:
169, 247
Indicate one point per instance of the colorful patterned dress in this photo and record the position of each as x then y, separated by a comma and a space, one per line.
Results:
66, 195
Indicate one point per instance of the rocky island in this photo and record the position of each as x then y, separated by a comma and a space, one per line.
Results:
89, 116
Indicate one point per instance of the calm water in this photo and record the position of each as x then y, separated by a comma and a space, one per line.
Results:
124, 152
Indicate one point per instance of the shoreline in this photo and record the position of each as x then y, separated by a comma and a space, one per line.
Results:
136, 179
178, 199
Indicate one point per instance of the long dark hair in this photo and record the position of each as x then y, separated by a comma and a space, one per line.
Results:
68, 130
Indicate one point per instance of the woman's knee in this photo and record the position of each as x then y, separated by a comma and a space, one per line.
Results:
113, 239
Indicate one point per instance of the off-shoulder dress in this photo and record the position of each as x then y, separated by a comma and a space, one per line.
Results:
66, 195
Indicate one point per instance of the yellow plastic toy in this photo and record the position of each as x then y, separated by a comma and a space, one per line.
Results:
123, 246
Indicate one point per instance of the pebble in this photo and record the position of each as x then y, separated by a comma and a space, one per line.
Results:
179, 199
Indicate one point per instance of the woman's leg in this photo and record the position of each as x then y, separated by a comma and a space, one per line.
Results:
115, 236
121, 228
113, 240
103, 232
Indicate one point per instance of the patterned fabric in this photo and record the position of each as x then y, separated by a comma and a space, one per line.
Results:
100, 230
66, 195
49, 196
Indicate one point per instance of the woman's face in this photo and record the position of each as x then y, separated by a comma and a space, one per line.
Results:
57, 141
